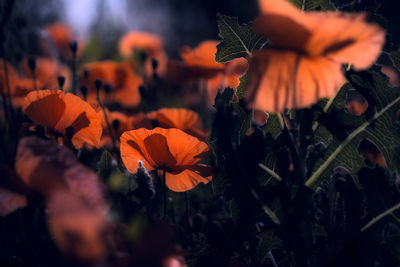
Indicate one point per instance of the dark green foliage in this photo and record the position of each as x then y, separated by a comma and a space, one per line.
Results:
238, 40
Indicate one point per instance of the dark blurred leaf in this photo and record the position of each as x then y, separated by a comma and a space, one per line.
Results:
395, 57
241, 89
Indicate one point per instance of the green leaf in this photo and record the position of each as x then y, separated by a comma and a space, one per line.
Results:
105, 167
269, 241
395, 57
238, 40
274, 124
380, 127
313, 4
241, 88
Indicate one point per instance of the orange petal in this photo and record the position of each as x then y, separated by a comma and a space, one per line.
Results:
134, 150
185, 180
157, 147
202, 56
281, 80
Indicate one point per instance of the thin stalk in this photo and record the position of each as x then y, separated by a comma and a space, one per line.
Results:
106, 119
270, 172
74, 74
164, 192
380, 217
313, 179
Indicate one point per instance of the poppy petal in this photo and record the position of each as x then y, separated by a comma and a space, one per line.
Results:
157, 147
185, 180
280, 80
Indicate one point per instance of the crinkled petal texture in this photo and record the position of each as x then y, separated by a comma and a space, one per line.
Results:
282, 80
167, 149
58, 111
183, 119
342, 37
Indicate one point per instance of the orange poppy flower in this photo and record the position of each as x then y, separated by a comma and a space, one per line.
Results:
61, 35
19, 87
58, 111
151, 44
171, 150
183, 119
304, 63
73, 196
47, 72
120, 76
223, 74
119, 123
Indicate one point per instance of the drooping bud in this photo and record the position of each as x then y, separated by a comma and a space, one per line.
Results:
98, 84
73, 45
61, 81
32, 63
115, 124
84, 91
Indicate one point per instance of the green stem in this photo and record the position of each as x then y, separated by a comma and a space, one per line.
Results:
380, 216
313, 179
164, 192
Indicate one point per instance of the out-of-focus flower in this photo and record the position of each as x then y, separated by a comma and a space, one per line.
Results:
61, 35
371, 154
356, 104
74, 199
62, 112
143, 42
19, 87
393, 75
171, 150
119, 123
218, 75
119, 78
10, 202
47, 72
183, 119
304, 62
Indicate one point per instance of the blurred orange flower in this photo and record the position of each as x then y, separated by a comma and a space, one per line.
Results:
171, 150
61, 35
183, 119
47, 72
223, 74
122, 81
19, 87
304, 63
152, 45
74, 199
58, 111
119, 123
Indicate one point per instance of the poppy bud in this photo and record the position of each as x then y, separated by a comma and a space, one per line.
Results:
115, 124
143, 56
61, 81
32, 63
86, 74
98, 84
84, 91
142, 91
107, 88
154, 64
145, 183
73, 45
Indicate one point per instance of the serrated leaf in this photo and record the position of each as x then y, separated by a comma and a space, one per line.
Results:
105, 167
269, 241
241, 88
274, 124
238, 40
395, 58
313, 4
381, 128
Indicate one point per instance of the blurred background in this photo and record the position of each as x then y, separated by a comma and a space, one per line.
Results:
177, 22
